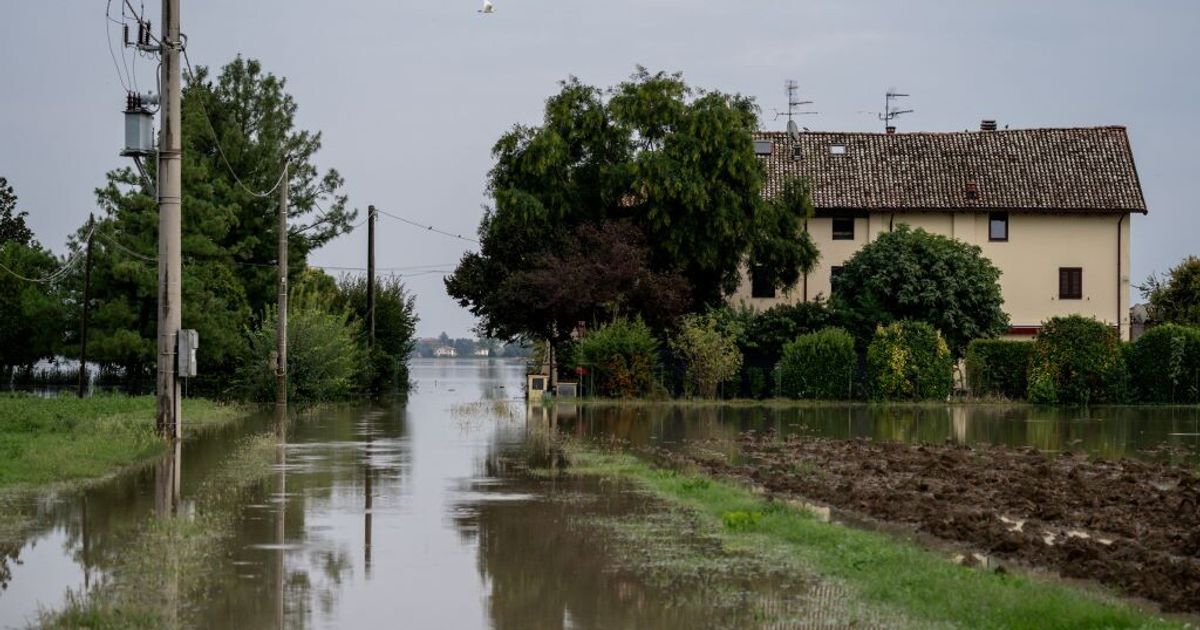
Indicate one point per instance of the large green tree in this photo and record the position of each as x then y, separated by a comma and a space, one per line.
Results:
32, 315
237, 130
674, 163
1175, 297
914, 275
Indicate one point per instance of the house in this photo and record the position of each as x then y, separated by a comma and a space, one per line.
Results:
443, 352
1051, 208
483, 352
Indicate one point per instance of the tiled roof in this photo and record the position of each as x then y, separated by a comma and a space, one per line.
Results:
1079, 169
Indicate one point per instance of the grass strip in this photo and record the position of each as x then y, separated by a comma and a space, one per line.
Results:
920, 584
68, 439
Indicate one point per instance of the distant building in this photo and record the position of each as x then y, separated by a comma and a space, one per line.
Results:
1050, 208
483, 352
445, 352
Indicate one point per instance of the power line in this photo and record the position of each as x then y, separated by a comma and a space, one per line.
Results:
217, 142
108, 35
59, 273
112, 241
427, 227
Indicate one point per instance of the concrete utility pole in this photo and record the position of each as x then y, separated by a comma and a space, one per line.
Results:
281, 324
371, 276
87, 308
168, 419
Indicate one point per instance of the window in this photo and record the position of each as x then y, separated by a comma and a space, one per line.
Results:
761, 286
843, 228
1070, 283
834, 273
837, 149
998, 226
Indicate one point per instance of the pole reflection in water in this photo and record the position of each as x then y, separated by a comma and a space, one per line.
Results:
83, 534
367, 507
166, 506
281, 518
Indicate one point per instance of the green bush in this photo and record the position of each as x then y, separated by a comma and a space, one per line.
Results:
1164, 365
819, 365
621, 358
324, 358
998, 367
909, 361
710, 357
1076, 360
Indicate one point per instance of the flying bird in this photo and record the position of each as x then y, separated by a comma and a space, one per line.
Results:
487, 7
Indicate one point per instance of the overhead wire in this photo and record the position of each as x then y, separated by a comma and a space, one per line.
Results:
59, 273
427, 227
217, 142
108, 35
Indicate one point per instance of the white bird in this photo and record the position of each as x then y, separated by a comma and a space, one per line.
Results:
487, 7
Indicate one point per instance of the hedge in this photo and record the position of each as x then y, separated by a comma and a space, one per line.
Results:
998, 368
1077, 360
819, 365
909, 361
1164, 365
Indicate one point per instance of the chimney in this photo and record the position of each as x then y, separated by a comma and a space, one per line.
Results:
972, 190
987, 125
891, 130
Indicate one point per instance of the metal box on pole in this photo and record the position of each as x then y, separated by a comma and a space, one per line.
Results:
189, 341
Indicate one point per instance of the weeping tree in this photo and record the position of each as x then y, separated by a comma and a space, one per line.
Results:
237, 129
674, 164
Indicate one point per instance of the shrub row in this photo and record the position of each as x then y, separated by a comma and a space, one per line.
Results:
1074, 360
1164, 365
998, 368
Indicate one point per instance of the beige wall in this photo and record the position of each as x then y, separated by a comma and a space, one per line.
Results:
1038, 244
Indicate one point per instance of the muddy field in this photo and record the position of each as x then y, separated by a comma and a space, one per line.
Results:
1132, 525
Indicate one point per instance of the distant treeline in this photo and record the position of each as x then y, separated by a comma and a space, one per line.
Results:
467, 347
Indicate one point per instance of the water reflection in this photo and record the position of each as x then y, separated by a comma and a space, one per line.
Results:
1102, 431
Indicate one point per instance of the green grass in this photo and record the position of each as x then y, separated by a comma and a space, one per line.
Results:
922, 585
67, 439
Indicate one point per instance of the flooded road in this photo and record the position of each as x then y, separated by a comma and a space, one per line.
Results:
416, 514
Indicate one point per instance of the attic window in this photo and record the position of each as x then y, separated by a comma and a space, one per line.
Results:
837, 149
763, 147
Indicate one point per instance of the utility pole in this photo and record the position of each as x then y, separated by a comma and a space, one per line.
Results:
87, 308
168, 418
281, 324
371, 276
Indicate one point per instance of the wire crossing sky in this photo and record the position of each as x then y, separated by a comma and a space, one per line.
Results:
411, 95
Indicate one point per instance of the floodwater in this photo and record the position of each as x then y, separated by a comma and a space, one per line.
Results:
418, 514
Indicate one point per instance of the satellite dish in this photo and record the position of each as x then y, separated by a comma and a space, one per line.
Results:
487, 7
793, 131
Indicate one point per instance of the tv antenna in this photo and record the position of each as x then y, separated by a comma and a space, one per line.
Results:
890, 111
793, 102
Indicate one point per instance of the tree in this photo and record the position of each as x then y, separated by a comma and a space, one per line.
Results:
1175, 297
914, 275
32, 315
244, 122
710, 357
672, 165
12, 223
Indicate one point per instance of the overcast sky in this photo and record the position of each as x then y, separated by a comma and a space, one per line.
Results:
410, 96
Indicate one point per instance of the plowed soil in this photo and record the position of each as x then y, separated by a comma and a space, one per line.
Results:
1132, 525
